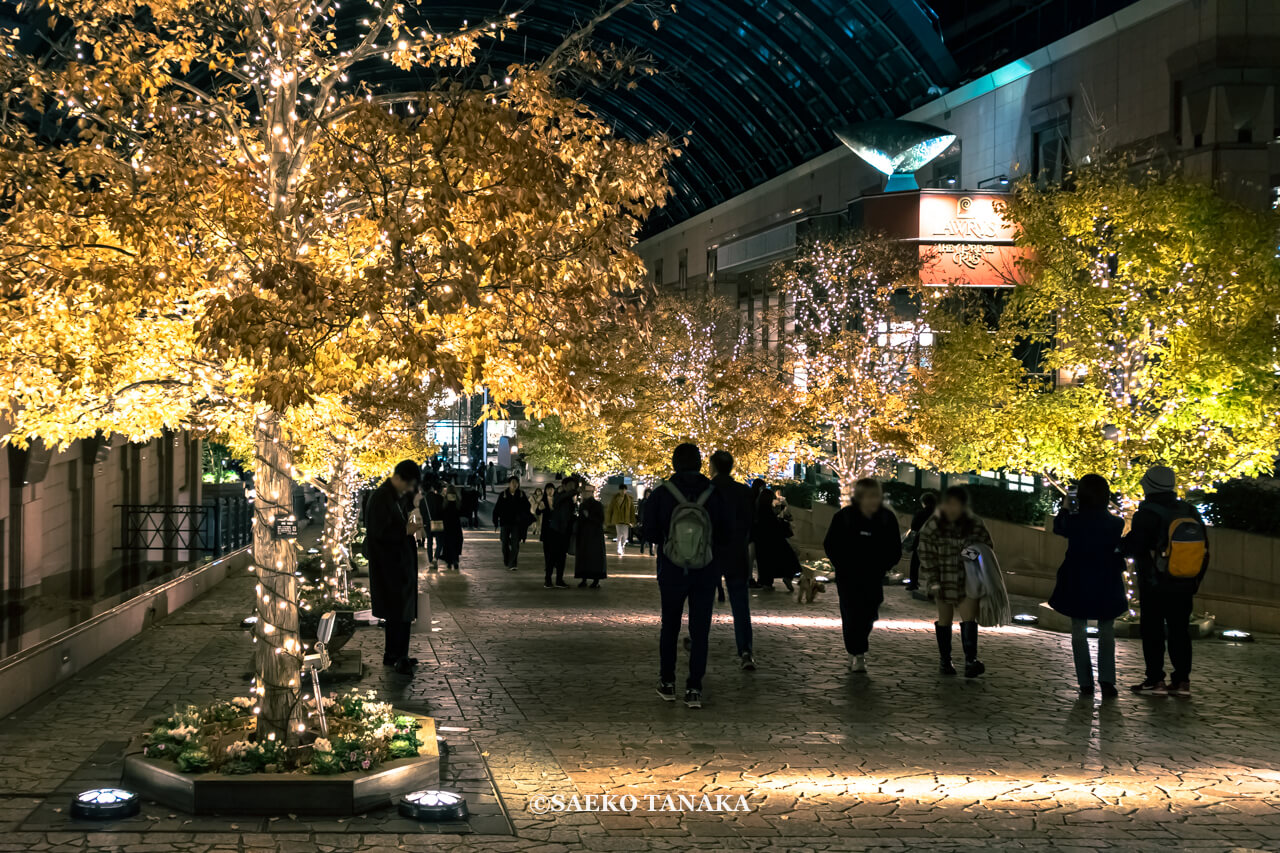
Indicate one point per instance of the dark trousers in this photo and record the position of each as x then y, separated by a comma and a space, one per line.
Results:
510, 537
555, 553
740, 604
397, 641
859, 609
699, 589
914, 576
1166, 618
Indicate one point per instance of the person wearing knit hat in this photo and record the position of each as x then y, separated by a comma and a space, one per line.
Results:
1159, 480
1166, 600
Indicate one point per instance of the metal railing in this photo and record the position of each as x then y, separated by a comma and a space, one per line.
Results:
219, 526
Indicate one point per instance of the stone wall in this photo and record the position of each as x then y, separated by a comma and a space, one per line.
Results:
1241, 589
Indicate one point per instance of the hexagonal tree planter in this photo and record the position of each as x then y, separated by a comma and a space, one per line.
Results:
285, 793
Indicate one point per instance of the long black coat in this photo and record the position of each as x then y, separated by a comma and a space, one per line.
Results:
1091, 579
543, 513
451, 538
589, 550
861, 549
386, 545
733, 537
775, 558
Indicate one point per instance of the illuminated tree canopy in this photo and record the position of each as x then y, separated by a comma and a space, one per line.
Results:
1152, 301
232, 224
693, 378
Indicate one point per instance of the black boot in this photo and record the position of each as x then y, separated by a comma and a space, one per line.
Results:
969, 641
944, 648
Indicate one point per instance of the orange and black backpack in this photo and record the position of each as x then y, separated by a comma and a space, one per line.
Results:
1184, 541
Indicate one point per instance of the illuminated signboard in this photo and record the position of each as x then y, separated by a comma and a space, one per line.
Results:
965, 240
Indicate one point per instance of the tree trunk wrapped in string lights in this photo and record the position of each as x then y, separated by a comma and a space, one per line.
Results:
278, 656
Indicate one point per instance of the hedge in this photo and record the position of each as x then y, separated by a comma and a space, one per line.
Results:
992, 502
1249, 505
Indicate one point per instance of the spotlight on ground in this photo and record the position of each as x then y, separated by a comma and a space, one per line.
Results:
105, 804
1235, 636
434, 806
1026, 619
1091, 631
248, 622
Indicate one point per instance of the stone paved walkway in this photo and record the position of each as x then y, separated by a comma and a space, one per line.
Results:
552, 692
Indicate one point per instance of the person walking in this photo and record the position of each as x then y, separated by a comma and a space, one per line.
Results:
1090, 581
542, 512
942, 539
641, 506
734, 544
451, 536
588, 547
511, 520
928, 505
558, 528
1169, 544
620, 515
775, 558
388, 533
688, 506
433, 517
863, 543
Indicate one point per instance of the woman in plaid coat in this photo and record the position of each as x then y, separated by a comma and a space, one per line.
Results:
941, 540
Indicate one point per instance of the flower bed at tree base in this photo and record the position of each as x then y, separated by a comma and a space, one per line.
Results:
284, 793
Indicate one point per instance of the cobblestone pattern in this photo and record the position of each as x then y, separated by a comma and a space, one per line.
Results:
554, 689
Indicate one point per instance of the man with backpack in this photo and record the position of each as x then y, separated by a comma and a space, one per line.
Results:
1169, 545
682, 517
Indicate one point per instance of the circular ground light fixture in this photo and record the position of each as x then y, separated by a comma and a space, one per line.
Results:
1235, 636
1091, 631
105, 804
248, 623
1026, 619
434, 806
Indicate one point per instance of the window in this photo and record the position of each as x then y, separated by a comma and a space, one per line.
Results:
657, 272
1050, 155
683, 272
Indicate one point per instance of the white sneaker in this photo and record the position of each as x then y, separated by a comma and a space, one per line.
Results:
857, 663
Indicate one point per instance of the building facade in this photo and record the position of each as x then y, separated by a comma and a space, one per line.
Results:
1191, 81
64, 525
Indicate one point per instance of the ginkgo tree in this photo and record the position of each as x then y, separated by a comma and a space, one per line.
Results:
318, 230
1142, 332
861, 330
695, 377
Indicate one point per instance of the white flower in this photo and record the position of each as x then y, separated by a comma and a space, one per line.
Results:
322, 745
244, 703
182, 732
385, 731
239, 749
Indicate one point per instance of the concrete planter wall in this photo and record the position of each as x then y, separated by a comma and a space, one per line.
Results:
284, 793
1242, 588
31, 672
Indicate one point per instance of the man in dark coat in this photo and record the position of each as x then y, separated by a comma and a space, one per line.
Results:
928, 506
1165, 601
511, 520
393, 585
863, 543
734, 545
432, 504
675, 584
559, 529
